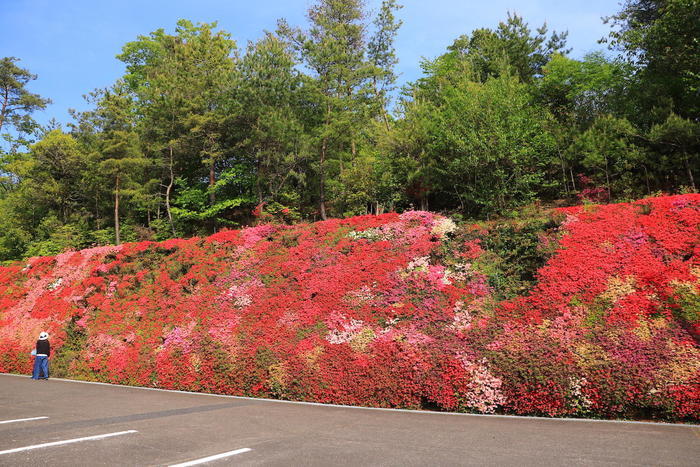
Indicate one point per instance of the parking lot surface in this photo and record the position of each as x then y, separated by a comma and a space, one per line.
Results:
67, 423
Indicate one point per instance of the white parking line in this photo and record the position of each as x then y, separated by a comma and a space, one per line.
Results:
212, 458
67, 441
22, 420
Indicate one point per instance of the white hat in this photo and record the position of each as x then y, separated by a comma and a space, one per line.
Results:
43, 336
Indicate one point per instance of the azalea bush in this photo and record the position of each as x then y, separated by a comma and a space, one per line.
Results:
410, 310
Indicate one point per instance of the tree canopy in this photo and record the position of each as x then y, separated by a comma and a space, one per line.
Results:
201, 134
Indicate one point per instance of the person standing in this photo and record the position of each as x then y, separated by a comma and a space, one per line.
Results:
41, 361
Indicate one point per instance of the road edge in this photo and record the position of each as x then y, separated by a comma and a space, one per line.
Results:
319, 404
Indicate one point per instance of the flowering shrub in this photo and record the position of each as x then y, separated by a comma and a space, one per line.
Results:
591, 193
389, 311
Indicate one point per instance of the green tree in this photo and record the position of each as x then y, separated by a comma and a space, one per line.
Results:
119, 157
610, 152
207, 61
579, 91
52, 173
274, 125
14, 234
42, 209
381, 55
16, 102
151, 75
662, 39
484, 145
512, 47
334, 49
182, 83
412, 161
678, 141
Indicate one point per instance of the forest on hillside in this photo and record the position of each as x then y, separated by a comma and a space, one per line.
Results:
201, 134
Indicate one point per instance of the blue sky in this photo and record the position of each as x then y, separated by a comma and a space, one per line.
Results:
71, 44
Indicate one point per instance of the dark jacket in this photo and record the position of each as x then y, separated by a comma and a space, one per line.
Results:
43, 347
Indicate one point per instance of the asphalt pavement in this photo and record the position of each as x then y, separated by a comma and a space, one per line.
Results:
67, 423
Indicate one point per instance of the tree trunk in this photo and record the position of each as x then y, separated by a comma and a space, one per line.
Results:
563, 173
258, 175
459, 197
385, 117
212, 182
212, 195
5, 100
97, 212
169, 189
424, 203
321, 167
116, 211
607, 179
646, 178
689, 170
321, 175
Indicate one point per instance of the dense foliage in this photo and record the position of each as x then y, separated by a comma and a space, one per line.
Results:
307, 124
585, 311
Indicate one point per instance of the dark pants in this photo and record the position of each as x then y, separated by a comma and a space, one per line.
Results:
41, 366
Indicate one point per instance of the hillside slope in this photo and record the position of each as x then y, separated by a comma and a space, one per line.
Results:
391, 311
